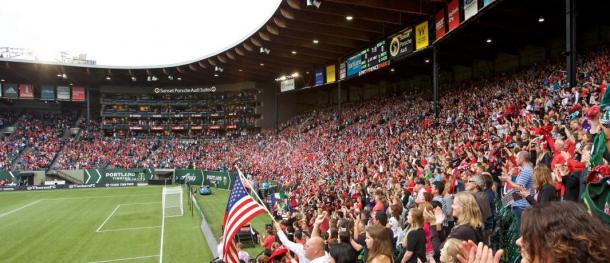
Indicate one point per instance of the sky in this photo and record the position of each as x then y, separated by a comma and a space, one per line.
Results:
131, 33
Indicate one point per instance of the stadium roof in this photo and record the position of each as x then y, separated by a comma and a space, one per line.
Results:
299, 37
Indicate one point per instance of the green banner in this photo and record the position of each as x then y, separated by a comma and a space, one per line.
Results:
113, 176
212, 178
7, 177
194, 177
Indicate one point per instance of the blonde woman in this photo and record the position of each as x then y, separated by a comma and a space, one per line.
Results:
469, 218
451, 250
416, 238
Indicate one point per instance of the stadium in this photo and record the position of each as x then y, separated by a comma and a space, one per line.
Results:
305, 131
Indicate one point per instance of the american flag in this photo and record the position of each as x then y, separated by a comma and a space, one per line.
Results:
241, 208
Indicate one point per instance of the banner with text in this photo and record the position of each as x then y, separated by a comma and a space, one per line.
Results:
10, 91
63, 93
330, 74
453, 9
421, 35
47, 92
26, 91
211, 178
401, 44
110, 177
471, 7
439, 24
78, 94
287, 85
319, 76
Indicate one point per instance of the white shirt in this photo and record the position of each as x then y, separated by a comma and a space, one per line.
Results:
322, 259
297, 249
243, 255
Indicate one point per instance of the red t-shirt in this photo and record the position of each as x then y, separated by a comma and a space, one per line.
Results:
268, 241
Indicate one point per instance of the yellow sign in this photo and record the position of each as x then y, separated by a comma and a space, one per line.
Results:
421, 35
330, 74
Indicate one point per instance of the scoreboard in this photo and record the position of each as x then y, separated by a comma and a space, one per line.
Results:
368, 60
374, 58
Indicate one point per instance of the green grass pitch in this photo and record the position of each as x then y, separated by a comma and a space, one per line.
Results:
97, 225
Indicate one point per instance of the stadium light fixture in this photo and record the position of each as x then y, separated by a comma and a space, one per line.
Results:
59, 75
315, 41
215, 75
488, 41
392, 70
427, 61
71, 84
179, 78
2, 80
541, 19
294, 52
262, 64
295, 75
349, 18
108, 78
134, 79
240, 70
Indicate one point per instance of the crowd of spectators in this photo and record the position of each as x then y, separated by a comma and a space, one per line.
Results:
435, 184
395, 183
42, 134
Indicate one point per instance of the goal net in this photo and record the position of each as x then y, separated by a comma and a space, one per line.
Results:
172, 201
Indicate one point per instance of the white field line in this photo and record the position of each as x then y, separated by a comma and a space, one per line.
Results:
107, 218
19, 208
93, 197
121, 259
162, 223
147, 203
173, 216
131, 228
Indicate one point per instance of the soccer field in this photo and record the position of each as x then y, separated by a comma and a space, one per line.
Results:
99, 225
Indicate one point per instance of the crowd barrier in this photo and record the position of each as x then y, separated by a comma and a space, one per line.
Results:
89, 178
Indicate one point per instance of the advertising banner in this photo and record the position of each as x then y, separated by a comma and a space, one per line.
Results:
115, 177
401, 44
47, 92
342, 70
353, 65
63, 93
287, 85
453, 8
319, 76
421, 35
439, 24
78, 94
10, 91
26, 91
471, 7
212, 178
330, 74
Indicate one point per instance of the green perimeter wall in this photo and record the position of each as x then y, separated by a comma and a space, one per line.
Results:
112, 176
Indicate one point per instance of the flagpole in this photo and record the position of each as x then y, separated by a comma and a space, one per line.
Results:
241, 175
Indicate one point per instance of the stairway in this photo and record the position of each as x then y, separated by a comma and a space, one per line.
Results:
64, 176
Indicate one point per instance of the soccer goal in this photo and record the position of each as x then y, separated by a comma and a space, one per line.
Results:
172, 201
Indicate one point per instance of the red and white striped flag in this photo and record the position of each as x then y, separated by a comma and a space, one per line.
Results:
241, 208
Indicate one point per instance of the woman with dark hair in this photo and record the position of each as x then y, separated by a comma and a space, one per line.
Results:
379, 245
570, 235
543, 185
